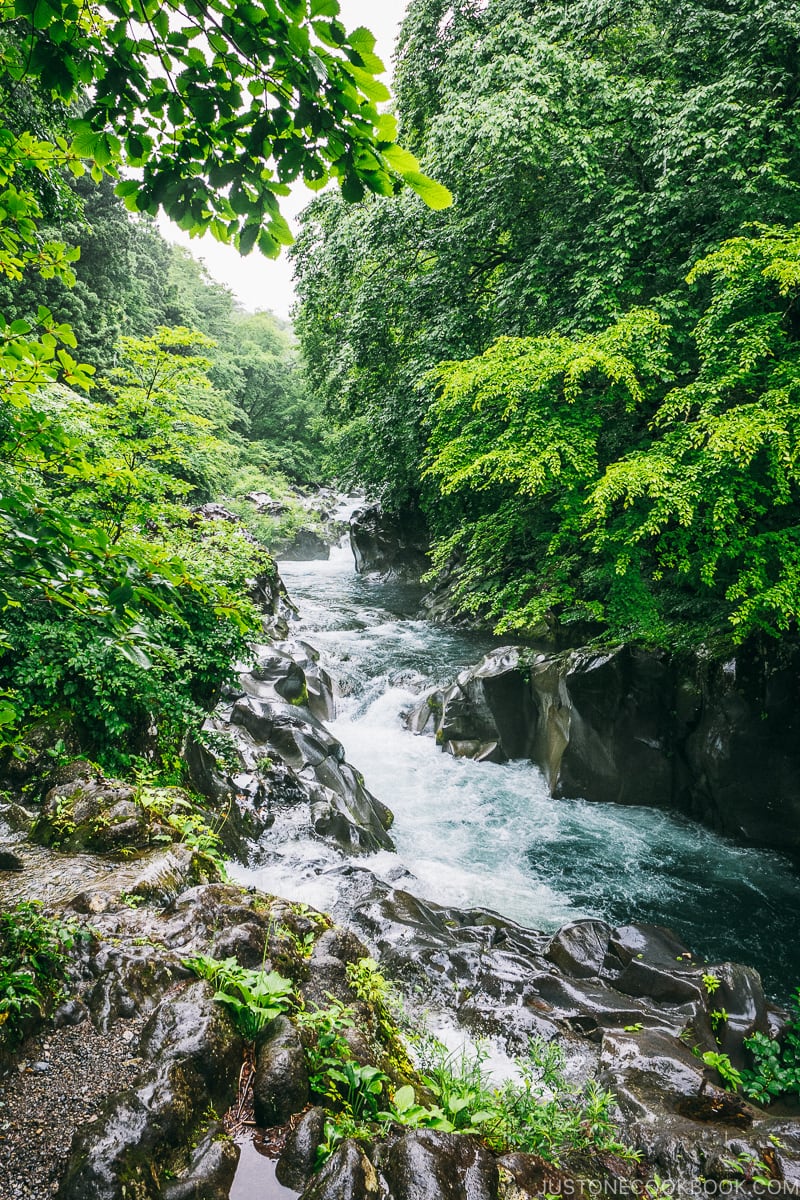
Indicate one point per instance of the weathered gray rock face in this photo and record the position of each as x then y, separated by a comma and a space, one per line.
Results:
196, 1054
428, 1165
307, 545
388, 545
280, 1084
628, 1006
266, 751
717, 740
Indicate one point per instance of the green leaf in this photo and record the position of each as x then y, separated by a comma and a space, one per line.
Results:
435, 195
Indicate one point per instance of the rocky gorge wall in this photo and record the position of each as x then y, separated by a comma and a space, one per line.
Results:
715, 738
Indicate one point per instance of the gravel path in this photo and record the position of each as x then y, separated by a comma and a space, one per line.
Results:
59, 1084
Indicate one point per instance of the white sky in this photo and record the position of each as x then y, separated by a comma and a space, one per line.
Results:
265, 283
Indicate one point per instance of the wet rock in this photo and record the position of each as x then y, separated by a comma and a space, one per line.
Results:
9, 861
741, 997
211, 1169
486, 714
390, 545
707, 736
319, 685
428, 1165
163, 877
91, 812
671, 1108
280, 1083
579, 949
195, 1055
266, 505
648, 960
347, 1175
299, 1156
306, 545
71, 1012
285, 755
16, 817
243, 942
332, 953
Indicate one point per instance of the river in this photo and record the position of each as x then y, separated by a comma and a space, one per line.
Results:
480, 834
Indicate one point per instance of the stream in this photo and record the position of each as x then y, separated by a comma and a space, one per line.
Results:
478, 834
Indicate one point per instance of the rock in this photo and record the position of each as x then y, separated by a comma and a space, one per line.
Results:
9, 861
215, 512
298, 1159
211, 1169
71, 1012
741, 996
425, 1164
648, 960
306, 546
579, 949
390, 545
280, 1083
486, 714
194, 1055
266, 505
91, 812
332, 953
670, 1107
347, 1175
279, 753
715, 738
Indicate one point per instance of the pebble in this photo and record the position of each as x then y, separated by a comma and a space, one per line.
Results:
46, 1099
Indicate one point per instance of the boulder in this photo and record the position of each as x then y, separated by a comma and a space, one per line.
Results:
211, 1171
425, 1164
714, 737
390, 545
307, 545
280, 1083
297, 1162
86, 811
347, 1175
195, 1055
275, 754
579, 949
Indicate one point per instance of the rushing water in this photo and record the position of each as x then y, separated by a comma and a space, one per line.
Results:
481, 834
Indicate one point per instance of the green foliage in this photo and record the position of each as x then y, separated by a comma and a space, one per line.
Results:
537, 1113
722, 1064
121, 631
747, 1167
520, 434
598, 153
34, 957
325, 1043
776, 1063
207, 146
254, 998
185, 816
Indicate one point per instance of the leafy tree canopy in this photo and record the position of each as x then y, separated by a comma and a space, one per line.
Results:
218, 106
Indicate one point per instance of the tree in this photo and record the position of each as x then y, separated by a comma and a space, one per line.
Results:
596, 150
218, 105
711, 506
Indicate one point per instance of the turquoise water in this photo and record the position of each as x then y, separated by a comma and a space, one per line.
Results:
481, 834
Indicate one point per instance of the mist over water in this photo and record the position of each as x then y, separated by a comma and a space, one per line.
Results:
488, 835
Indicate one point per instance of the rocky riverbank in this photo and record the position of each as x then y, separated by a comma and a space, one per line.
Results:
153, 1085
714, 739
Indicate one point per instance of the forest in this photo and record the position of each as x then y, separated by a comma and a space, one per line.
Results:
584, 373
508, 511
